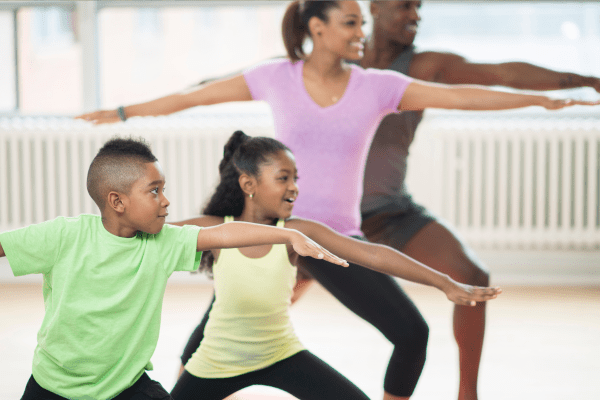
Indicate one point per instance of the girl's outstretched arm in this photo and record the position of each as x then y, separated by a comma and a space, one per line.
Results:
221, 91
386, 260
420, 95
244, 234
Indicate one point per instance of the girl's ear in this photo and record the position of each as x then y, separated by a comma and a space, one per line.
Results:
115, 201
248, 184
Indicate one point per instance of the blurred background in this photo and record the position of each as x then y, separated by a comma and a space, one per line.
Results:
522, 187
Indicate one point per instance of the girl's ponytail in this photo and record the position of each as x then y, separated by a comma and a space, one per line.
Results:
234, 142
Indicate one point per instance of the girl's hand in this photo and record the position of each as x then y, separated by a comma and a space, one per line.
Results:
557, 104
307, 247
467, 295
100, 117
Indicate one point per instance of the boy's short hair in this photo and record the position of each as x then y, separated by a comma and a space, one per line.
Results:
118, 164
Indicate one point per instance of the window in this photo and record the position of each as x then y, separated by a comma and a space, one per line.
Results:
563, 36
155, 52
138, 50
49, 63
8, 97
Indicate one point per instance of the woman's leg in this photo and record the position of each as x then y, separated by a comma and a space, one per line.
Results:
307, 377
437, 246
422, 237
379, 300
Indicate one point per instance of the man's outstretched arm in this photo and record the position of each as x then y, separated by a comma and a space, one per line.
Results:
454, 69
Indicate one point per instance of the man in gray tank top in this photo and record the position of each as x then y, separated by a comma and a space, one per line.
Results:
389, 214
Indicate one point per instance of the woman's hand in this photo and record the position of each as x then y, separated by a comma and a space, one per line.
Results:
100, 117
307, 247
467, 295
557, 104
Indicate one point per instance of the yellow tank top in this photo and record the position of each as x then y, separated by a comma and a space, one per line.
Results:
249, 327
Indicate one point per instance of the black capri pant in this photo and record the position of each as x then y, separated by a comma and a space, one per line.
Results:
303, 375
378, 299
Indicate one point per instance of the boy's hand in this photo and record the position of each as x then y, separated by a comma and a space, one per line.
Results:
467, 295
307, 247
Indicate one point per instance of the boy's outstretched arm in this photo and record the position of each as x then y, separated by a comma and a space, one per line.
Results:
386, 260
244, 234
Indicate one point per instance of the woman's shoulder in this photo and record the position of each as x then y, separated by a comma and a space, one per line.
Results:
271, 65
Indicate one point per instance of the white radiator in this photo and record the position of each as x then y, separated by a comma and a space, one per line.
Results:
518, 182
44, 161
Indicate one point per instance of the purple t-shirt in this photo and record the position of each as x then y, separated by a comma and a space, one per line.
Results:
330, 144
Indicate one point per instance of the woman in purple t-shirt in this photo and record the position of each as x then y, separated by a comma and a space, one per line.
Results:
326, 112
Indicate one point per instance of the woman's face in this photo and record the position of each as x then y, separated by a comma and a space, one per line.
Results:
276, 188
342, 34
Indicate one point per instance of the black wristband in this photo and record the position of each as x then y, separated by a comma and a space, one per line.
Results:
121, 113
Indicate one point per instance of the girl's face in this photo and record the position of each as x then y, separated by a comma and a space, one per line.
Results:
342, 34
276, 188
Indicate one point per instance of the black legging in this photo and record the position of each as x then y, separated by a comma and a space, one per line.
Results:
303, 375
377, 299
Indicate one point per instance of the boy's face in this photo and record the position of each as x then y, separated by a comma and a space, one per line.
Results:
146, 204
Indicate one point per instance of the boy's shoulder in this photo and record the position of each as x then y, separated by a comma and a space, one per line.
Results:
169, 231
90, 221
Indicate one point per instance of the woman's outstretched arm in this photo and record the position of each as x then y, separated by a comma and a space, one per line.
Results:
420, 95
386, 260
221, 91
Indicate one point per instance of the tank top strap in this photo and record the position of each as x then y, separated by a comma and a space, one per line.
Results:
280, 223
229, 218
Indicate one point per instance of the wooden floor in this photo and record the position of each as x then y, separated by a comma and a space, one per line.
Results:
541, 343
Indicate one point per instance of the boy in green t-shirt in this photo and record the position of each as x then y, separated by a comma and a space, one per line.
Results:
105, 277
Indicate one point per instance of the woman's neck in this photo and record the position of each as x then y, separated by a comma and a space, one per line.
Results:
324, 66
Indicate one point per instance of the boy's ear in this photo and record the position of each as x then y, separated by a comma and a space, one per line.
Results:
248, 184
115, 201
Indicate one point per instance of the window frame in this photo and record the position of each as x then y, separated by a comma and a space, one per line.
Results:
87, 25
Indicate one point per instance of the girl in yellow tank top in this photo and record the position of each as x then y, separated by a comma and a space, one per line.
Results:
248, 339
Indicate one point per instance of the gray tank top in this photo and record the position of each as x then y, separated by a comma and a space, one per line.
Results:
384, 188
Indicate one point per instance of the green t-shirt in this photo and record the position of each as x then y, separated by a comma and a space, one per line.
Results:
103, 298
